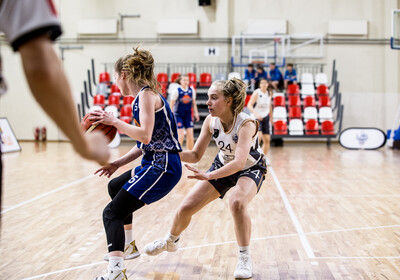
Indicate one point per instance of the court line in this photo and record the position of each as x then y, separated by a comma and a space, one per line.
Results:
295, 221
252, 239
46, 194
63, 270
344, 195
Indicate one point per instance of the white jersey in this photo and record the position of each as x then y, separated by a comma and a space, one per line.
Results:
227, 141
263, 103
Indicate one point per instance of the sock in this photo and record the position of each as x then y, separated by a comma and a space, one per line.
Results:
244, 250
172, 237
116, 263
128, 236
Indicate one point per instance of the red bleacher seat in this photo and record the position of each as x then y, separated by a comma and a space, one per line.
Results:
294, 113
174, 76
163, 89
280, 127
128, 120
327, 128
104, 77
312, 127
279, 101
309, 101
247, 99
192, 80
115, 89
114, 100
99, 100
205, 80
324, 101
126, 111
128, 100
294, 101
293, 89
322, 90
162, 78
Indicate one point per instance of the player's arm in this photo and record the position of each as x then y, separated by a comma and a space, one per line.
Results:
252, 101
51, 90
246, 133
201, 144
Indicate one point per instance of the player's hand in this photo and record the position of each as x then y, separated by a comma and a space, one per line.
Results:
97, 148
196, 117
107, 170
197, 174
100, 116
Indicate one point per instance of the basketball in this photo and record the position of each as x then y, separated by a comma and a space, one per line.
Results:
108, 130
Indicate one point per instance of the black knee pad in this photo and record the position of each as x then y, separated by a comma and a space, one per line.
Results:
116, 184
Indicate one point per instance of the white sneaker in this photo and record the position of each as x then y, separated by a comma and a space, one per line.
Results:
113, 275
130, 252
161, 245
244, 267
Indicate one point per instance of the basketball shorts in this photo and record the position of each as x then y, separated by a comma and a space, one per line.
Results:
264, 125
24, 20
256, 173
157, 175
184, 121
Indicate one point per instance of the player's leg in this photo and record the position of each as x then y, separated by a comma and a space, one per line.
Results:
189, 138
199, 196
122, 205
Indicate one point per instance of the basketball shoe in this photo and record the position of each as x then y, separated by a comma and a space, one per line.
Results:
161, 245
113, 275
130, 252
244, 267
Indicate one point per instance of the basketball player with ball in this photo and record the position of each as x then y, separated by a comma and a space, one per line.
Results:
157, 140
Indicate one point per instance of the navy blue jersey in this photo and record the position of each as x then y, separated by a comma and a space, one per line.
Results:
183, 105
165, 135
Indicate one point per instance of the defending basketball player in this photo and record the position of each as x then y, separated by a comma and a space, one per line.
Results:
239, 165
160, 169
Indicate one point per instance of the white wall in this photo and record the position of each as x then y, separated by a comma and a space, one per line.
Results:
368, 72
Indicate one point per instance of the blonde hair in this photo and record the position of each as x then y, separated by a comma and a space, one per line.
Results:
236, 89
139, 68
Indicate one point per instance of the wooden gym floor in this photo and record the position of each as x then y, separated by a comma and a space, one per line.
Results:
321, 214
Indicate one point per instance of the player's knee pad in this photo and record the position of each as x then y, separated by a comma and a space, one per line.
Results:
113, 187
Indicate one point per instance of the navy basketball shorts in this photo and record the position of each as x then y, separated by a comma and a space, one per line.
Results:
156, 177
184, 121
265, 125
256, 173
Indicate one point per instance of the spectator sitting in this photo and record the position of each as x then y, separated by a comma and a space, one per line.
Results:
290, 75
260, 74
275, 76
249, 74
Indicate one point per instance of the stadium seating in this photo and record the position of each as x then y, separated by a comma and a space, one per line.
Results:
293, 89
114, 100
275, 94
294, 101
294, 113
306, 78
309, 101
279, 101
162, 78
325, 114
321, 79
99, 100
112, 109
296, 127
279, 113
205, 80
312, 127
174, 76
126, 111
127, 100
233, 75
115, 89
307, 90
192, 79
327, 128
247, 100
280, 127
310, 113
324, 101
102, 88
322, 90
104, 77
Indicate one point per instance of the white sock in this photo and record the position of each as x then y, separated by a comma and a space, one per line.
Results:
128, 236
172, 237
244, 250
116, 263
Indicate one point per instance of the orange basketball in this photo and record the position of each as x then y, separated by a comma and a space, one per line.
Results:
108, 130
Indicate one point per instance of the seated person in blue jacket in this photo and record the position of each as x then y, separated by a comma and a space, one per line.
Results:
260, 74
290, 75
249, 74
275, 76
